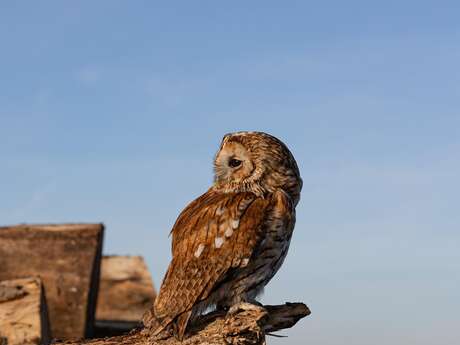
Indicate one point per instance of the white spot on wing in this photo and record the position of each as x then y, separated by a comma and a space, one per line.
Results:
228, 232
235, 223
245, 262
219, 211
199, 250
218, 242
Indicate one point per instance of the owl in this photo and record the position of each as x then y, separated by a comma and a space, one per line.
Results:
228, 243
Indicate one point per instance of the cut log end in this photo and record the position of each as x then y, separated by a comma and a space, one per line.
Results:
23, 312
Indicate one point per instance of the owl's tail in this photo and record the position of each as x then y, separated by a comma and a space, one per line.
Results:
150, 321
155, 326
180, 324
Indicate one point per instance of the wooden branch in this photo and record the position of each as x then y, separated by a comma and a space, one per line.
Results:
245, 325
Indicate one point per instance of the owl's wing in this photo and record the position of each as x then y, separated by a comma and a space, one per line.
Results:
214, 233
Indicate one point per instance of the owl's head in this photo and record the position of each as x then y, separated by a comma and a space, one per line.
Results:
256, 162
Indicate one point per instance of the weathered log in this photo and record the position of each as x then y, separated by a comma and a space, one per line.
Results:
245, 325
67, 258
23, 312
126, 291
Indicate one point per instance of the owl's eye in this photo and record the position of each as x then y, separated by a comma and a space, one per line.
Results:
234, 162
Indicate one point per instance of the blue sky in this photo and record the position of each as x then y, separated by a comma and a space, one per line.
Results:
112, 111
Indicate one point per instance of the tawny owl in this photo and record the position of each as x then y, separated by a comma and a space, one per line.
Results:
228, 243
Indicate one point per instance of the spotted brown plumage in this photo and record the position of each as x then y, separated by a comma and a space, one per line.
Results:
228, 243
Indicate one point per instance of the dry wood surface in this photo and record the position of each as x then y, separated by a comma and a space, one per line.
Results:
246, 325
67, 259
23, 313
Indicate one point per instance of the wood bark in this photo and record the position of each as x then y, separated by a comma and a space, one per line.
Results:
245, 325
23, 312
126, 291
67, 259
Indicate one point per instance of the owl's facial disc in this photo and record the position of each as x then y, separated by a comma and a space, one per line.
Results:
233, 163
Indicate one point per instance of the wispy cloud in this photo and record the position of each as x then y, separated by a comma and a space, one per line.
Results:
38, 199
88, 75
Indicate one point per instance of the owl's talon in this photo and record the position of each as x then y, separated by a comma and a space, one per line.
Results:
244, 306
222, 308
